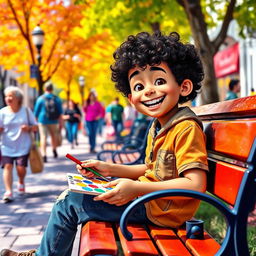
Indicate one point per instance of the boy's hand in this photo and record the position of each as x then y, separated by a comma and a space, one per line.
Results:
125, 190
101, 167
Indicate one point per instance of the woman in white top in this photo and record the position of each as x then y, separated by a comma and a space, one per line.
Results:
16, 122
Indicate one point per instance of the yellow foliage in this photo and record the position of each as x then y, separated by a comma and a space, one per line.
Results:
74, 45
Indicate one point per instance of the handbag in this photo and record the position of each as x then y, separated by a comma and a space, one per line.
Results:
35, 157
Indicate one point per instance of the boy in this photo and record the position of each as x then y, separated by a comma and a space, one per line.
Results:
155, 72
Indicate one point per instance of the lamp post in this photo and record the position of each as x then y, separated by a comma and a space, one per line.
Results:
38, 40
81, 81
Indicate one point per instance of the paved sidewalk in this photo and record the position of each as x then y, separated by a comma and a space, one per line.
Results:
23, 221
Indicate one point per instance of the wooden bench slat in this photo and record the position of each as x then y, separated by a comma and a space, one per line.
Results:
112, 146
242, 107
93, 240
225, 180
222, 134
121, 158
126, 157
168, 242
132, 156
200, 247
141, 244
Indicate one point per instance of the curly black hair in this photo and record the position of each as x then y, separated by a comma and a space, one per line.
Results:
145, 49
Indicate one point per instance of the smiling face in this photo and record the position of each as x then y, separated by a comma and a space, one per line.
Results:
11, 99
155, 92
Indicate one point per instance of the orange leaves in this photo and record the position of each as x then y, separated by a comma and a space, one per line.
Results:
71, 47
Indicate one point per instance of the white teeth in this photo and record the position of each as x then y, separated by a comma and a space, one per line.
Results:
153, 102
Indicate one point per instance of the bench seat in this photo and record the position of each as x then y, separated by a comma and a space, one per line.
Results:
230, 129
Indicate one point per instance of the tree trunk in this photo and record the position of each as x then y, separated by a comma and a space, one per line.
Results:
198, 26
155, 26
209, 92
207, 48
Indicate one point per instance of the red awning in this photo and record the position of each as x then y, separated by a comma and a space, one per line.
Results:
226, 61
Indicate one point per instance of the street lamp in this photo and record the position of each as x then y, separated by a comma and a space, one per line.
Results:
38, 40
81, 81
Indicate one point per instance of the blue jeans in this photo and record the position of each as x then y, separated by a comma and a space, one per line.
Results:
92, 127
118, 126
72, 129
72, 209
100, 126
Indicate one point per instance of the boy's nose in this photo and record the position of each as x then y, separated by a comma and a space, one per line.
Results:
149, 90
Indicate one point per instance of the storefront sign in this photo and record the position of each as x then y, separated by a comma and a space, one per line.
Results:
226, 61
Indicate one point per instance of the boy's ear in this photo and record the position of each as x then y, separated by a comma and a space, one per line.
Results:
130, 99
186, 87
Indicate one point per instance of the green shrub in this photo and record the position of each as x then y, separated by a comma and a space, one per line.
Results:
215, 225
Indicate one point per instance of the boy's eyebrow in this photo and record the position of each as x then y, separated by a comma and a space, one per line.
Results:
134, 74
156, 69
151, 69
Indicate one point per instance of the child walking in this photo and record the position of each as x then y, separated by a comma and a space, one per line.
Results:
156, 73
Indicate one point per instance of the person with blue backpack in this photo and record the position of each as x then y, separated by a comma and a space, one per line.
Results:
48, 111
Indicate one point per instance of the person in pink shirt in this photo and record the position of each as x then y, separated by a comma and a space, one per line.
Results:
101, 120
92, 110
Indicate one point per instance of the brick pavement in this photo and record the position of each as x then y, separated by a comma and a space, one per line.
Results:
23, 221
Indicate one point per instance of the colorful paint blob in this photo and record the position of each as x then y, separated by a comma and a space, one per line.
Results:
93, 186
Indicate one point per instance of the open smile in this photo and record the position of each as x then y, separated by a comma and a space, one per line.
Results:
154, 102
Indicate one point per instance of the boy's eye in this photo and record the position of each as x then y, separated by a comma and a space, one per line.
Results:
160, 81
138, 87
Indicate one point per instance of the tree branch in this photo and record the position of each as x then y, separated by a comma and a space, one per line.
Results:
54, 70
52, 50
198, 26
24, 33
224, 28
16, 18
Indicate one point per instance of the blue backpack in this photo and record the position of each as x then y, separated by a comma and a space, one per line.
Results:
52, 111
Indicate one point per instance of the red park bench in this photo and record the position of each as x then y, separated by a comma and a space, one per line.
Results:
230, 128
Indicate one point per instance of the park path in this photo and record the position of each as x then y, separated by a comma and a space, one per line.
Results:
23, 221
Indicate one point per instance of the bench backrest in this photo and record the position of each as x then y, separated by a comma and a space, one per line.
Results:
230, 128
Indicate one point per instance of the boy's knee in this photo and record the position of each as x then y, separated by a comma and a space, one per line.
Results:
62, 196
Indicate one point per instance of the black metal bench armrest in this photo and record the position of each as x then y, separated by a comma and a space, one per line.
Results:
167, 193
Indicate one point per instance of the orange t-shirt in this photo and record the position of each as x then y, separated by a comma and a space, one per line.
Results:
178, 146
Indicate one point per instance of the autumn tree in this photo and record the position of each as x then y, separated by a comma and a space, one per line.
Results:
59, 22
92, 62
187, 17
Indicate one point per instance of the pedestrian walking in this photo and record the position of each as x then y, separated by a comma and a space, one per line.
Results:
92, 110
48, 111
72, 118
116, 110
16, 122
252, 92
234, 89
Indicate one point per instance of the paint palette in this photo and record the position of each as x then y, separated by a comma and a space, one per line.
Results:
80, 184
